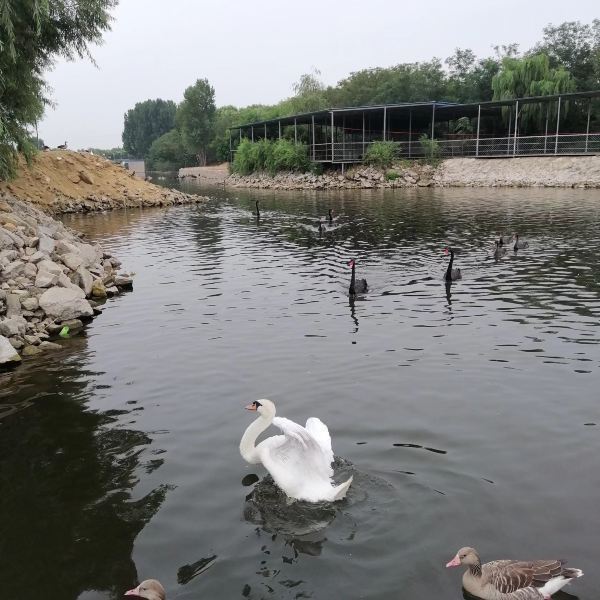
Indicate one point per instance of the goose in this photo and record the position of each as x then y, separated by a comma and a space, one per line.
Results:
62, 146
356, 287
519, 245
299, 460
451, 274
150, 589
512, 579
499, 250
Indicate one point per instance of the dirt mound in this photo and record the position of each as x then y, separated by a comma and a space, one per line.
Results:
67, 181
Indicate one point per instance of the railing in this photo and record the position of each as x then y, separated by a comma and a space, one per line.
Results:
539, 145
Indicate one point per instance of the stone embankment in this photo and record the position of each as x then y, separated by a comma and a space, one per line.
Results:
49, 279
62, 181
562, 171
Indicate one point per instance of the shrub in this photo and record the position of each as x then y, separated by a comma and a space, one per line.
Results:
381, 154
431, 148
266, 155
392, 175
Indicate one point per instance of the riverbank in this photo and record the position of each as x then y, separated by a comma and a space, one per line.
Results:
561, 171
62, 181
51, 282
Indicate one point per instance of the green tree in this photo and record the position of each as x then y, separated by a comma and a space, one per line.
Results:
530, 76
32, 34
195, 118
575, 47
167, 153
146, 122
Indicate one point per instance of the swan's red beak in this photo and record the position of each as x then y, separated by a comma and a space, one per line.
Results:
250, 407
445, 250
455, 562
350, 263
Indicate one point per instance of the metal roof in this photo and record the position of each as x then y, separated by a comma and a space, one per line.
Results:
454, 107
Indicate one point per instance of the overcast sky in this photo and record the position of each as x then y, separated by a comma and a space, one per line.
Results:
252, 51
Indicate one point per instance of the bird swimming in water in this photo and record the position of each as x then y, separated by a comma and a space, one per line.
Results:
356, 286
451, 274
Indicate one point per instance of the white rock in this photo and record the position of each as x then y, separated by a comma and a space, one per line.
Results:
47, 244
65, 303
43, 279
50, 267
72, 260
35, 258
13, 326
14, 269
86, 281
7, 353
30, 303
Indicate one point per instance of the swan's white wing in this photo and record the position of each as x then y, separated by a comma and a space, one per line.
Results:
319, 431
296, 460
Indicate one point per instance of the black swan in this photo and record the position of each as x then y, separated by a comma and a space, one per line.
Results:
451, 274
257, 211
518, 244
320, 228
500, 250
330, 213
356, 286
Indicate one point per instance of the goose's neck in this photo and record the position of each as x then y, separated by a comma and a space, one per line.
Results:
248, 441
475, 569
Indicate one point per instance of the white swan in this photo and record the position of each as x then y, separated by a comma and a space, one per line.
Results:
299, 460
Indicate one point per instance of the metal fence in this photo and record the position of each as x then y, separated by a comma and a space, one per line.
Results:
537, 145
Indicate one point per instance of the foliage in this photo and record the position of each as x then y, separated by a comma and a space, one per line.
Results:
168, 153
195, 119
266, 155
431, 148
392, 175
111, 153
146, 122
32, 34
576, 48
380, 154
530, 76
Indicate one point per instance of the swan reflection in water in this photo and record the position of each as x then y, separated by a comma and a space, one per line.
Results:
448, 285
351, 303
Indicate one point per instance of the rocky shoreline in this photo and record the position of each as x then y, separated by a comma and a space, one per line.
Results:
51, 282
561, 171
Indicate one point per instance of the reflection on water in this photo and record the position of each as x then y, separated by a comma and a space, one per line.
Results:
463, 408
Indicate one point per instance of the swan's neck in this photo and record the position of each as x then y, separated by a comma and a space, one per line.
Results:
247, 443
353, 280
449, 270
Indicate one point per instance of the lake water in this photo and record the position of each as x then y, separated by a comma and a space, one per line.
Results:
469, 416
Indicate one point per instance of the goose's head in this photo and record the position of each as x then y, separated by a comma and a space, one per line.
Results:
465, 556
264, 407
150, 589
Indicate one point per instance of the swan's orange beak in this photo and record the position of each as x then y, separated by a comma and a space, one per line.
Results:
250, 407
455, 562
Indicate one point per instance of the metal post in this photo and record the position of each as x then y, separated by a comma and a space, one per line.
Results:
313, 139
265, 131
230, 147
478, 121
509, 125
409, 131
296, 131
252, 132
557, 126
332, 137
279, 123
240, 134
546, 133
343, 140
587, 130
433, 122
363, 119
384, 121
516, 126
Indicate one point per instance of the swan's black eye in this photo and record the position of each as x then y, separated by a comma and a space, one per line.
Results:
257, 403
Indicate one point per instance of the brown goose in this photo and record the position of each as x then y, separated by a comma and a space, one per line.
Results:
150, 589
512, 579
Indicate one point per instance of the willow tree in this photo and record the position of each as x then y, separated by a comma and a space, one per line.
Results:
32, 34
531, 76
